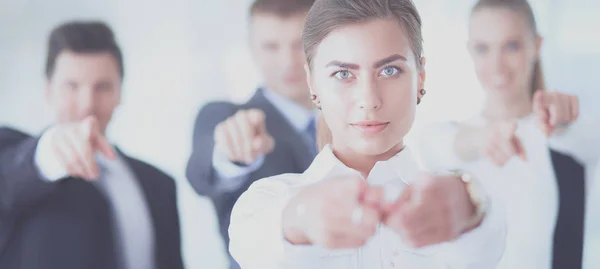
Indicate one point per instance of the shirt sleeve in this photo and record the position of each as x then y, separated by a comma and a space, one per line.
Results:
230, 175
256, 220
47, 163
482, 247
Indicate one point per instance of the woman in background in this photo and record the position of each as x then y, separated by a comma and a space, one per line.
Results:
534, 139
365, 71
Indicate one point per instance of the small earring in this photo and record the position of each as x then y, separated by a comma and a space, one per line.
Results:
422, 92
313, 97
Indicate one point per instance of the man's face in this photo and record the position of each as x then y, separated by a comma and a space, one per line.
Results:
277, 49
84, 84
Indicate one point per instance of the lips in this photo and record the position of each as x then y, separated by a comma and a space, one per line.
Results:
370, 127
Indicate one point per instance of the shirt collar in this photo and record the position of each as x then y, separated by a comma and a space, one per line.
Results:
394, 173
298, 116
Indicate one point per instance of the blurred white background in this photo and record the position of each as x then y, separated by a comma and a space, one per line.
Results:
180, 54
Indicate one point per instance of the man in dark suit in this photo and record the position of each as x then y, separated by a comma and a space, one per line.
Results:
68, 199
273, 133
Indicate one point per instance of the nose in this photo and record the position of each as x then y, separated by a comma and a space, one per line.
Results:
86, 101
498, 63
367, 96
292, 56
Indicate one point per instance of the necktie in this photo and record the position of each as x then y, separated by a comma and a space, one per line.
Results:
568, 233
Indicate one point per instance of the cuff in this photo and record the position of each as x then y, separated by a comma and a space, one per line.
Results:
229, 170
46, 162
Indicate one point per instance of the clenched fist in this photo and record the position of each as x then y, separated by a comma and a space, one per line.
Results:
341, 212
554, 110
499, 143
243, 137
75, 144
437, 209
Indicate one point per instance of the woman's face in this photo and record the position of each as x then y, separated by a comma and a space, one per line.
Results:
504, 51
366, 78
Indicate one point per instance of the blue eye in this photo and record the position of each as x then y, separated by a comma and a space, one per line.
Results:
389, 71
513, 46
343, 74
481, 49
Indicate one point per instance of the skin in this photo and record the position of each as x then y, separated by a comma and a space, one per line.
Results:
83, 92
361, 73
276, 47
504, 49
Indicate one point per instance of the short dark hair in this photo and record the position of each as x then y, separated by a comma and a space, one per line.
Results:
281, 8
82, 37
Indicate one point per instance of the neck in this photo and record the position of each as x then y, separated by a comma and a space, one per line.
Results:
499, 109
363, 163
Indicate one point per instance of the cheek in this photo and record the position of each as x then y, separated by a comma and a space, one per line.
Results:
482, 66
64, 103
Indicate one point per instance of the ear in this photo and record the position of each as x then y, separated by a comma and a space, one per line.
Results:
422, 75
538, 45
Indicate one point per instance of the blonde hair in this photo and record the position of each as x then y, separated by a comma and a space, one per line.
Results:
328, 15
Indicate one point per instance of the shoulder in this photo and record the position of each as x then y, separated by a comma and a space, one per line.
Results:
11, 133
10, 136
279, 185
150, 172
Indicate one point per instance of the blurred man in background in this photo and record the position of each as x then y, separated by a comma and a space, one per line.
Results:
68, 199
273, 133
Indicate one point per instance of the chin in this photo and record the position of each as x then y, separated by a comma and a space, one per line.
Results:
371, 147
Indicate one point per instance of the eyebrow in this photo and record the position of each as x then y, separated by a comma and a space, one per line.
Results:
377, 64
388, 60
343, 65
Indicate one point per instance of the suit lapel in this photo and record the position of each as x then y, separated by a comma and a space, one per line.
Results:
282, 130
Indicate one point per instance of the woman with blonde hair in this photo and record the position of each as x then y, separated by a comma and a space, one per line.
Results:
536, 140
363, 203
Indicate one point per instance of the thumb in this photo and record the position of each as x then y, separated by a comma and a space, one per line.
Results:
519, 148
256, 117
90, 127
102, 145
263, 143
508, 129
404, 200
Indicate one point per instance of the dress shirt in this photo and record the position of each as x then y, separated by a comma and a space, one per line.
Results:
134, 230
257, 240
528, 189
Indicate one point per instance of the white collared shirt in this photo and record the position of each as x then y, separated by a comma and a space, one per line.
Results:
257, 241
528, 189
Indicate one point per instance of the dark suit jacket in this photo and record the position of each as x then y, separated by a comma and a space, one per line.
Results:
291, 155
67, 224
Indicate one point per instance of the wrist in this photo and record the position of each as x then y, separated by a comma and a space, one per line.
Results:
477, 201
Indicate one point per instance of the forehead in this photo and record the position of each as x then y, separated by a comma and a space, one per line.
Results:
497, 24
85, 65
272, 27
364, 43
